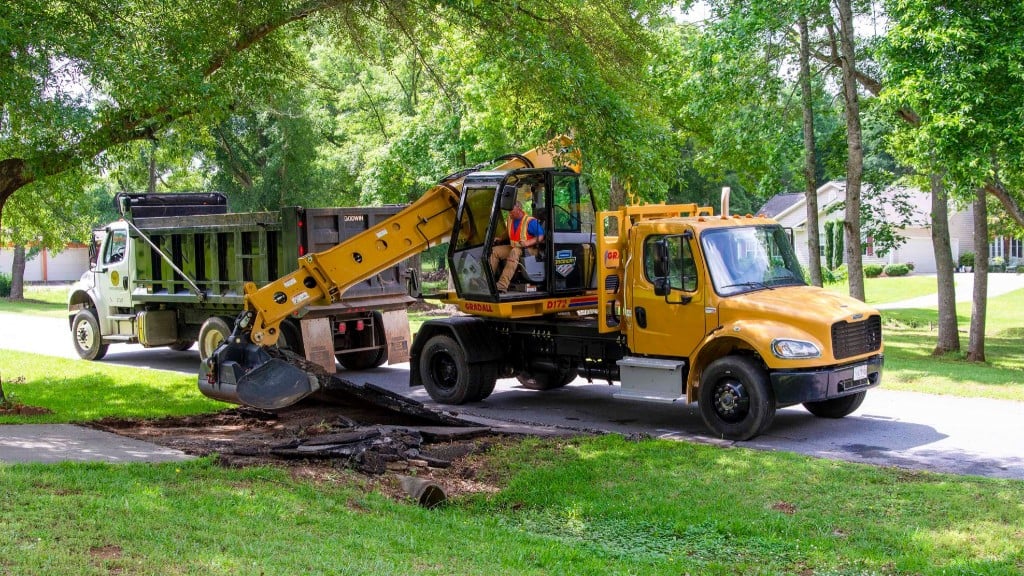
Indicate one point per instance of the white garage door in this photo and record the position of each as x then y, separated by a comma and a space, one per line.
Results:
920, 252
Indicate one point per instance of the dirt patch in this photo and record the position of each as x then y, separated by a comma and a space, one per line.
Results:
323, 441
107, 552
11, 409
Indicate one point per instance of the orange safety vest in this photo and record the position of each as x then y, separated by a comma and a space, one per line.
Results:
516, 234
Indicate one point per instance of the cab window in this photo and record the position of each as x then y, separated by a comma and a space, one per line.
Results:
682, 270
116, 242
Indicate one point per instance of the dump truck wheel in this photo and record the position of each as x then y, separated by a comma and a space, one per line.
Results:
447, 376
181, 345
836, 407
85, 333
735, 399
214, 331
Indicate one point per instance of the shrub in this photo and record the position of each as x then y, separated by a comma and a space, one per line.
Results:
897, 270
873, 270
997, 264
967, 259
910, 265
5, 285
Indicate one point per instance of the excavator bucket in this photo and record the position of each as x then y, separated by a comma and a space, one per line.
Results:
243, 373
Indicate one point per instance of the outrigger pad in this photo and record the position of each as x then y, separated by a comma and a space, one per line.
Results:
275, 384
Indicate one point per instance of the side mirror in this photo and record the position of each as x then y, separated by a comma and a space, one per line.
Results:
508, 197
661, 259
661, 287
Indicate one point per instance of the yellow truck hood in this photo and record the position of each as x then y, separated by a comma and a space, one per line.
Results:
797, 312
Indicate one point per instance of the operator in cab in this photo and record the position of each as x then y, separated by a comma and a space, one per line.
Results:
524, 232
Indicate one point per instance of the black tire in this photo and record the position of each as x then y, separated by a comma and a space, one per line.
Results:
447, 376
488, 379
181, 345
85, 334
546, 379
735, 399
291, 338
836, 407
363, 360
213, 331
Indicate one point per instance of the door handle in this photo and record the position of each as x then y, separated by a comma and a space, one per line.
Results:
641, 316
124, 282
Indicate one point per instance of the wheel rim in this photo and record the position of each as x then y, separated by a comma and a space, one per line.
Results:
444, 371
211, 340
85, 335
731, 401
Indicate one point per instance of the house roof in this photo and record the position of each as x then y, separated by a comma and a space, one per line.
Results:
893, 203
779, 203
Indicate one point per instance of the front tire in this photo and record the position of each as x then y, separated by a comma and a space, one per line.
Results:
446, 374
836, 407
85, 334
213, 331
735, 399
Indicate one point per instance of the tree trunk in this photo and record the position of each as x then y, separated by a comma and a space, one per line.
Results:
810, 165
976, 345
617, 194
18, 273
949, 331
855, 151
151, 188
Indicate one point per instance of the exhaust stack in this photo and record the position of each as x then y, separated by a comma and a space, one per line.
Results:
725, 201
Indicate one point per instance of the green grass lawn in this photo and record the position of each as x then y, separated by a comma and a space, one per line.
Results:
885, 290
910, 337
76, 390
40, 301
592, 506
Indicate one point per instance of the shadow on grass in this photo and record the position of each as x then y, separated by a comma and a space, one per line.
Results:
97, 395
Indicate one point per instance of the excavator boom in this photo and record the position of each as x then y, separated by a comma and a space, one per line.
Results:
242, 371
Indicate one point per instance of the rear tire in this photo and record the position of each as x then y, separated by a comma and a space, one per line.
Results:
446, 374
214, 331
735, 399
836, 407
85, 334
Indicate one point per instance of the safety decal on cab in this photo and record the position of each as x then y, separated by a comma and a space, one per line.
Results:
565, 263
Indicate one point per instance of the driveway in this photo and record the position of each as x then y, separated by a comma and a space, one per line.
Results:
919, 431
998, 284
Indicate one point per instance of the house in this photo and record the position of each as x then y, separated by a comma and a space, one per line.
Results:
791, 211
46, 266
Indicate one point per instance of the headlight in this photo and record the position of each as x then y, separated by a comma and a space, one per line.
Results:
794, 349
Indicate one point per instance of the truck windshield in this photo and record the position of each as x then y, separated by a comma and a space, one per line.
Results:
750, 258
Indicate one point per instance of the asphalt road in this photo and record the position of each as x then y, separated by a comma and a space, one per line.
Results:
918, 431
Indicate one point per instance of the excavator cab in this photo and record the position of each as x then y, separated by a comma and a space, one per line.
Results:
561, 264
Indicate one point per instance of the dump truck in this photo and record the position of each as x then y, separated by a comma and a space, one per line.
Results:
170, 273
674, 303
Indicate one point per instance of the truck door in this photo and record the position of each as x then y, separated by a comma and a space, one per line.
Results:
671, 323
113, 270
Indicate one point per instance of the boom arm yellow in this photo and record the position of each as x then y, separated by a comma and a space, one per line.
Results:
324, 277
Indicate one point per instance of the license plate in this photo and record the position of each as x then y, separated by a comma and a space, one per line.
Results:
860, 372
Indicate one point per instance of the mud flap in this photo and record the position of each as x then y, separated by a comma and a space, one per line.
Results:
246, 374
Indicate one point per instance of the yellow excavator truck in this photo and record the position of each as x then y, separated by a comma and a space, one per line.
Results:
673, 302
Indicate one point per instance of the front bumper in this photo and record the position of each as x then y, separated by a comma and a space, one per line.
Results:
815, 385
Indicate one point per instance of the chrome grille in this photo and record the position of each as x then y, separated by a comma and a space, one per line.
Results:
855, 338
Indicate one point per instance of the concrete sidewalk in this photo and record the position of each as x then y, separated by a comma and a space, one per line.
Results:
998, 284
49, 443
